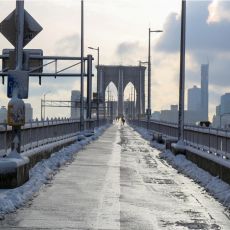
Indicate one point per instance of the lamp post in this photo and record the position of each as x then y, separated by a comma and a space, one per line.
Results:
182, 74
82, 68
149, 73
98, 87
140, 96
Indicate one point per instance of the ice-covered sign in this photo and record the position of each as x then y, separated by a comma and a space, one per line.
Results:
29, 64
8, 28
18, 80
16, 112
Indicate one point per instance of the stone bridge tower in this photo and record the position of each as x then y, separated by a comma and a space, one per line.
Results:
121, 76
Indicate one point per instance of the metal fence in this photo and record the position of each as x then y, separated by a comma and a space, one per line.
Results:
37, 133
210, 140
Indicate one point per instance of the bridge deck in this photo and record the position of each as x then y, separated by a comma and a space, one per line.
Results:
119, 182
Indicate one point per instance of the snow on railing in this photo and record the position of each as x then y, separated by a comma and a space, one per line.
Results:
211, 141
36, 133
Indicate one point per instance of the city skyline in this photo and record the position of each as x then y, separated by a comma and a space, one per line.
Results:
83, 144
131, 44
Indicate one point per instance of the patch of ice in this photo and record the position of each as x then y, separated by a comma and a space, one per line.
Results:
214, 185
40, 174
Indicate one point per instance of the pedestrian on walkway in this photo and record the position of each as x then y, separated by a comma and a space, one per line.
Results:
123, 120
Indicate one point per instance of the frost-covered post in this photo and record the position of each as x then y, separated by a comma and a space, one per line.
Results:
16, 106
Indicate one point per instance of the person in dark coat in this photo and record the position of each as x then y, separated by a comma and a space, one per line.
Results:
123, 120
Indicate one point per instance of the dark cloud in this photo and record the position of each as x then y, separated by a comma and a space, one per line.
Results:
200, 35
169, 40
204, 41
127, 48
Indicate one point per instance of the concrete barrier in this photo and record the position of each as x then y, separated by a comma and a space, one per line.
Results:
45, 152
13, 172
212, 164
169, 142
214, 168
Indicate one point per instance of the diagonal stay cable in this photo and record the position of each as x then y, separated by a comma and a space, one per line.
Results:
68, 67
39, 67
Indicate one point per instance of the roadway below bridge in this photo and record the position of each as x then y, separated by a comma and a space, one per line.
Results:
120, 182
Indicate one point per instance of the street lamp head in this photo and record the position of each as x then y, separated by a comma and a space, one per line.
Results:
92, 48
143, 62
156, 31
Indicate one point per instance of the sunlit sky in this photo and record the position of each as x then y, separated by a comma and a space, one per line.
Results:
120, 29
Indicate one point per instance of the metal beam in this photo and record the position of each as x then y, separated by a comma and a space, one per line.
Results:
62, 58
57, 58
50, 74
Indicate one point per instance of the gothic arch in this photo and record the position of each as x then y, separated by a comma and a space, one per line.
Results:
121, 76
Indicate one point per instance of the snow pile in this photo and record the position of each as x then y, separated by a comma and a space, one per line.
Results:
144, 132
215, 186
40, 174
148, 135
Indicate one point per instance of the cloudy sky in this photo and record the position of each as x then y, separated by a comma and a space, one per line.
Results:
120, 29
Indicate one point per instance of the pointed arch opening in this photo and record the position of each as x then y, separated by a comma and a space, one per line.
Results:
130, 101
111, 99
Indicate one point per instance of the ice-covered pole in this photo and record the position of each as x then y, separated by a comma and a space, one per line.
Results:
16, 106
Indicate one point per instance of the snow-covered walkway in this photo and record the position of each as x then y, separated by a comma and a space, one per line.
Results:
120, 182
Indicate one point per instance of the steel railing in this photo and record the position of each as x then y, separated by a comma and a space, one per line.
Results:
37, 133
210, 140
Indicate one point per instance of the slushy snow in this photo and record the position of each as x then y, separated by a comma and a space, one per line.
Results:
213, 185
40, 174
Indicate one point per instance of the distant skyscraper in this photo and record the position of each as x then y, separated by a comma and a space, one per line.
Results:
167, 115
222, 117
3, 114
225, 104
28, 112
194, 99
204, 90
75, 98
174, 108
218, 110
75, 103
